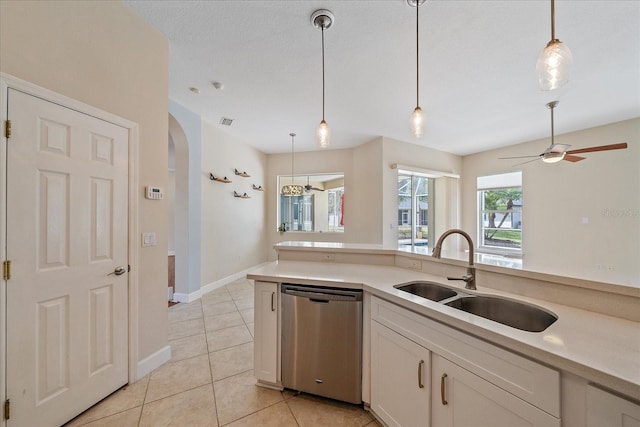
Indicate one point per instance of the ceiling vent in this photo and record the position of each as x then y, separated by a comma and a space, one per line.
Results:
225, 121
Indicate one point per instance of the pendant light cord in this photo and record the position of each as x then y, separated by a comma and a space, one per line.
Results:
322, 28
553, 20
292, 136
417, 54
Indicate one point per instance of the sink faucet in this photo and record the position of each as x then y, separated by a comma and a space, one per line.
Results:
470, 277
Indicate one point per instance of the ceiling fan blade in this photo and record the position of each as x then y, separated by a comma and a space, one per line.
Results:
317, 189
571, 158
516, 157
599, 148
523, 163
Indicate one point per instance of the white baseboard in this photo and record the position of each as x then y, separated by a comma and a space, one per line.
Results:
153, 361
187, 298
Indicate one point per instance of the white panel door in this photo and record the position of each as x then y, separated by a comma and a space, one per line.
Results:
67, 192
462, 399
400, 378
266, 343
608, 410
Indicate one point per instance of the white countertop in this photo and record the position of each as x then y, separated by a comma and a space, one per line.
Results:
602, 349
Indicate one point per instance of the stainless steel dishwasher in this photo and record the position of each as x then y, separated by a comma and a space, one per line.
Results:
322, 341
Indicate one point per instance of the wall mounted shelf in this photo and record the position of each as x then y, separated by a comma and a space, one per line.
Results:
241, 196
257, 188
212, 177
242, 174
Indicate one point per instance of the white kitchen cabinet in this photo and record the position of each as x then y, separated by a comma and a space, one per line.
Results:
400, 373
266, 337
460, 398
608, 410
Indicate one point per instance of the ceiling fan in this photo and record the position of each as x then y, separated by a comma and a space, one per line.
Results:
309, 187
556, 152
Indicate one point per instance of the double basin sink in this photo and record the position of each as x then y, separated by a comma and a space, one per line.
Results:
516, 314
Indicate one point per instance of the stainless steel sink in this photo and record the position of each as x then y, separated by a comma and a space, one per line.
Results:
512, 313
430, 290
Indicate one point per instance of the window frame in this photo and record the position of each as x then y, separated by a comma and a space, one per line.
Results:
481, 212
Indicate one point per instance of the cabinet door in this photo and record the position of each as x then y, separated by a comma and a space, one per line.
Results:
400, 372
607, 410
461, 398
266, 331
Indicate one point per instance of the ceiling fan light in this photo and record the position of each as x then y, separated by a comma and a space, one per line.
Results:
324, 134
554, 65
552, 157
417, 122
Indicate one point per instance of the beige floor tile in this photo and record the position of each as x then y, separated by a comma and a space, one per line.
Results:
315, 411
184, 348
228, 337
221, 321
231, 361
175, 377
239, 396
124, 399
194, 407
374, 423
218, 308
247, 315
244, 302
216, 298
217, 291
127, 418
277, 415
250, 327
186, 328
180, 312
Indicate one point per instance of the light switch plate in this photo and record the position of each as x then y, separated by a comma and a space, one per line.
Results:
148, 239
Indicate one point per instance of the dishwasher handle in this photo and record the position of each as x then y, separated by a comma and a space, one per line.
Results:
323, 294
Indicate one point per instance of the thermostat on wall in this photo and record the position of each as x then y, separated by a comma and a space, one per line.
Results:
154, 193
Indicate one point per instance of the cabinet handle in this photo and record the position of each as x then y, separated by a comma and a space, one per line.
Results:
273, 307
420, 364
443, 392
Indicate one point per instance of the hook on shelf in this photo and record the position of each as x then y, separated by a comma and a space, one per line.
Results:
242, 174
257, 188
241, 196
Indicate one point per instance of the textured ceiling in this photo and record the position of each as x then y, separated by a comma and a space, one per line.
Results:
478, 86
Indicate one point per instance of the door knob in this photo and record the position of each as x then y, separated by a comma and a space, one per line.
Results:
120, 270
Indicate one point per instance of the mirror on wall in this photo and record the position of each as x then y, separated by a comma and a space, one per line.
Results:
311, 203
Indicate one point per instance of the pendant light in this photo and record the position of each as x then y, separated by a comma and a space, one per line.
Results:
322, 19
417, 117
291, 190
555, 60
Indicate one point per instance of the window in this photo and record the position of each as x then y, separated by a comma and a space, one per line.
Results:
320, 207
500, 213
415, 193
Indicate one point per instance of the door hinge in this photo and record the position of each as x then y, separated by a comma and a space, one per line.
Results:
7, 409
6, 270
7, 129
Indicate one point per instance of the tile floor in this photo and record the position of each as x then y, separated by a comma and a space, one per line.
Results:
209, 380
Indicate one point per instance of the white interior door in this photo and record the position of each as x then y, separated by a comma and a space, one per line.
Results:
67, 192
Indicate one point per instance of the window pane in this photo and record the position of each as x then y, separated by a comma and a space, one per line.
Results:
501, 218
413, 210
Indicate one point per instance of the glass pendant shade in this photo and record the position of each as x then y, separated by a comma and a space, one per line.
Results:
554, 65
324, 134
417, 122
292, 190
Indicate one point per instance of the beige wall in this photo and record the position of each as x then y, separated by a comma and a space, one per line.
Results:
603, 189
102, 54
233, 229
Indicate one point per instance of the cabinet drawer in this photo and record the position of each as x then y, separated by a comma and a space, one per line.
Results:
531, 381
